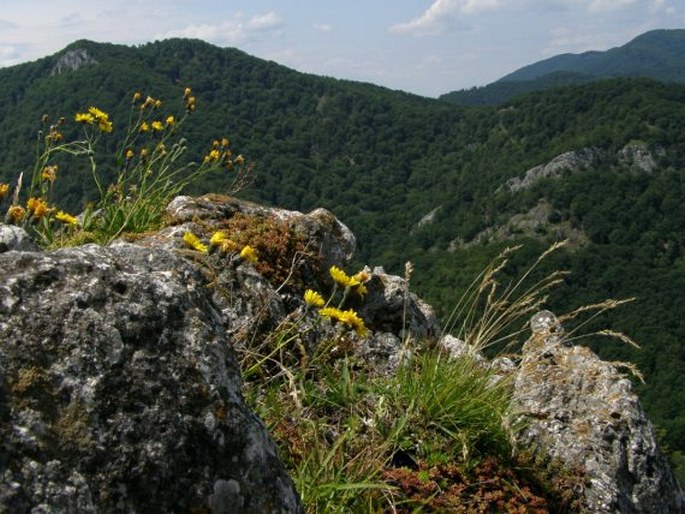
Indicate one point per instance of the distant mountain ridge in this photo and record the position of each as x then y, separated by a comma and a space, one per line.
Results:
658, 54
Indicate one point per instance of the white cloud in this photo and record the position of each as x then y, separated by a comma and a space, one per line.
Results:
432, 21
443, 14
474, 6
231, 31
265, 22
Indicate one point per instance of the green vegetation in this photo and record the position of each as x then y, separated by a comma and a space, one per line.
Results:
149, 168
436, 435
657, 54
382, 160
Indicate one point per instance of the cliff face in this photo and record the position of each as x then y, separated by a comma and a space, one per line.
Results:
584, 412
120, 390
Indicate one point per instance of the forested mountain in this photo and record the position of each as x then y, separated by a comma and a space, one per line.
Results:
416, 179
658, 54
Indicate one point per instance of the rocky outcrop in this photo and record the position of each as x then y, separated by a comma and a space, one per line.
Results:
639, 157
119, 390
15, 238
568, 161
72, 60
535, 223
584, 413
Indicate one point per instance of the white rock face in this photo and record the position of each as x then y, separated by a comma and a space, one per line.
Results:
584, 413
72, 60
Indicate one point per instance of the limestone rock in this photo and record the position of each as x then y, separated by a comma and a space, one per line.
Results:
568, 161
391, 307
582, 411
326, 235
639, 157
72, 60
119, 390
15, 238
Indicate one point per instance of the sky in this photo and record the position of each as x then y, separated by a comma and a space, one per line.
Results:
426, 47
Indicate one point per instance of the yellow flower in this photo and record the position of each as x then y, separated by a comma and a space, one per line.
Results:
342, 278
66, 218
4, 189
224, 142
350, 318
161, 149
190, 103
16, 213
239, 160
49, 173
148, 101
217, 238
136, 97
213, 156
104, 124
223, 242
170, 121
248, 254
37, 207
144, 127
193, 242
84, 117
157, 125
361, 290
186, 92
332, 313
130, 154
313, 298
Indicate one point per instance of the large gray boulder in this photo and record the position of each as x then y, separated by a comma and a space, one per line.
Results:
584, 413
119, 390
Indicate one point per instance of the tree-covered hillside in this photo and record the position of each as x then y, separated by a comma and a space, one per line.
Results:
658, 54
419, 179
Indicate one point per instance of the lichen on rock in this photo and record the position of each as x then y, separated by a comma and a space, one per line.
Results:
583, 412
120, 391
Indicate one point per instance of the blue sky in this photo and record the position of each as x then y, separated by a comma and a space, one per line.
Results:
427, 47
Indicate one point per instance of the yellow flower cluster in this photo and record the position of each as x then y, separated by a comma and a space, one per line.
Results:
37, 207
348, 317
221, 152
220, 240
4, 189
190, 100
192, 241
149, 102
95, 116
355, 282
